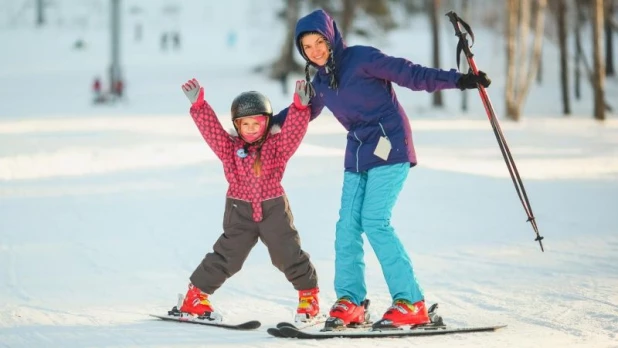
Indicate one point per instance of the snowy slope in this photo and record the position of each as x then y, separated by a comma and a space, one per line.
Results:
106, 210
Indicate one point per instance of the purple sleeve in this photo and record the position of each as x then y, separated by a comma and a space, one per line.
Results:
407, 74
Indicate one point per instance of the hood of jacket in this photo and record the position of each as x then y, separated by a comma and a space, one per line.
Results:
321, 22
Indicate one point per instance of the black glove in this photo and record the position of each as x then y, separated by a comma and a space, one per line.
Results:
469, 80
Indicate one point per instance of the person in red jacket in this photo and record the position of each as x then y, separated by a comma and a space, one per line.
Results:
256, 206
96, 89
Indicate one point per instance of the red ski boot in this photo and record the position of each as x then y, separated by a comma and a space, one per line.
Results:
196, 303
404, 312
308, 305
346, 313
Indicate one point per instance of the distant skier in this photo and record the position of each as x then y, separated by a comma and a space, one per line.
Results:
163, 41
176, 40
256, 207
119, 88
96, 90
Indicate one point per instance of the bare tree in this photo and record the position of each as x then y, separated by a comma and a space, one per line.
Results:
285, 63
346, 11
347, 16
599, 69
40, 13
561, 11
609, 39
539, 70
511, 31
434, 7
326, 5
579, 56
516, 92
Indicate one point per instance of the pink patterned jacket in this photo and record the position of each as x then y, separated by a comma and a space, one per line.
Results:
276, 151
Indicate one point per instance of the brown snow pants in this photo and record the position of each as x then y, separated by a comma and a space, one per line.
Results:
241, 233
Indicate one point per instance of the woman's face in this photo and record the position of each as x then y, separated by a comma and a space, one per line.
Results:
315, 48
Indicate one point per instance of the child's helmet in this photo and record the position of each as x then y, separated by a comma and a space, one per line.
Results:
251, 103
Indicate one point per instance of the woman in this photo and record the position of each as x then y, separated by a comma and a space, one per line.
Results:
355, 83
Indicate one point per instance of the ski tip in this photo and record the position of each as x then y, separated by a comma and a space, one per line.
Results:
250, 325
498, 327
273, 331
285, 324
158, 316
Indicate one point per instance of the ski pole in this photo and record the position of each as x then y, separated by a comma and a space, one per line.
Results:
463, 46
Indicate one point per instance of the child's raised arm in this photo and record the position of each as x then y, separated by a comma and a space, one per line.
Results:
206, 120
294, 129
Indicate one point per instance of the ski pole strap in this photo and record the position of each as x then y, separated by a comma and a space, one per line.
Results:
462, 45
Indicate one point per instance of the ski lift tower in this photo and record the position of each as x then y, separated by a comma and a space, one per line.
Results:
115, 72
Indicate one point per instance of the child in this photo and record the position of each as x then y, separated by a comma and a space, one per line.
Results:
256, 205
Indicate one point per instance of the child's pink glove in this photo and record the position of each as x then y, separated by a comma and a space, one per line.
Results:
302, 96
194, 92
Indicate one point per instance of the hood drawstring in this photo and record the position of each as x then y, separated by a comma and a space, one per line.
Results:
330, 69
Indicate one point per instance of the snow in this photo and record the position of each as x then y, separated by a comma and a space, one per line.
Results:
106, 210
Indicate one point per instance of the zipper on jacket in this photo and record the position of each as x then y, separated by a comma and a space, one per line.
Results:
357, 150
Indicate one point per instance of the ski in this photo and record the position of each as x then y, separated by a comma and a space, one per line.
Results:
275, 331
292, 332
249, 325
209, 319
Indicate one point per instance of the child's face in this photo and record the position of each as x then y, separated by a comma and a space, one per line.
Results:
315, 48
252, 127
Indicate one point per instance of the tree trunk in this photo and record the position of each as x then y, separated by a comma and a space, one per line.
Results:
511, 31
40, 13
347, 16
522, 46
599, 70
578, 52
527, 68
539, 70
285, 64
536, 51
609, 39
433, 15
564, 53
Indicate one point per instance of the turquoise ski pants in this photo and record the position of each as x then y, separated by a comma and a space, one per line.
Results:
367, 202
